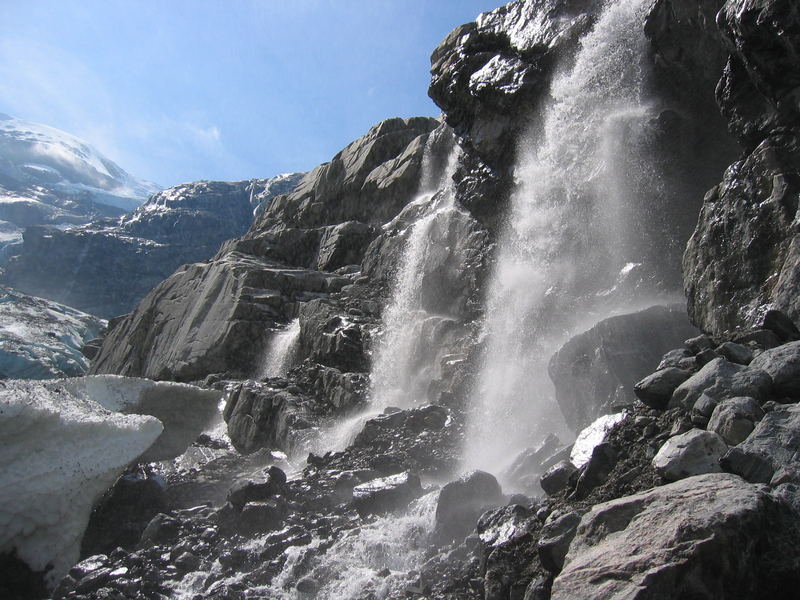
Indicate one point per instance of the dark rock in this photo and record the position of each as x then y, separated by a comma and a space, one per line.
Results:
705, 356
307, 585
387, 494
555, 538
781, 325
596, 371
88, 565
558, 477
597, 470
461, 502
260, 517
656, 390
735, 353
93, 581
774, 444
735, 418
762, 339
680, 358
160, 530
699, 343
246, 491
276, 476
187, 562
695, 452
722, 379
783, 365
704, 406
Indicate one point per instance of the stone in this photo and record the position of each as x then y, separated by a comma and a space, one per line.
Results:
246, 491
723, 379
307, 585
695, 452
735, 353
761, 339
678, 358
656, 390
555, 538
160, 530
696, 538
276, 476
783, 365
704, 406
773, 444
260, 517
597, 470
699, 343
621, 351
462, 501
781, 325
187, 562
558, 477
386, 494
734, 418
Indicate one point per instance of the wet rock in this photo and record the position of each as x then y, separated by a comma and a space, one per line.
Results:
461, 502
723, 379
656, 390
783, 365
773, 444
650, 545
160, 530
243, 492
558, 477
692, 453
555, 538
187, 562
276, 476
307, 585
260, 517
597, 470
594, 373
734, 418
386, 494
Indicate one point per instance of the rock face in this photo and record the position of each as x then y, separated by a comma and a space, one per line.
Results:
49, 177
219, 316
657, 544
595, 371
742, 258
107, 266
41, 339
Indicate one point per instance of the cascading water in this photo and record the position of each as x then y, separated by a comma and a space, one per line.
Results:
568, 235
280, 351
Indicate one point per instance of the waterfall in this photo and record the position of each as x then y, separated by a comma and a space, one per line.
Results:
280, 351
405, 361
567, 240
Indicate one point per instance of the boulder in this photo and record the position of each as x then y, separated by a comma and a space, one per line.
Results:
555, 538
558, 477
723, 379
461, 502
783, 365
774, 444
656, 389
594, 373
734, 418
597, 469
386, 494
696, 538
695, 452
735, 353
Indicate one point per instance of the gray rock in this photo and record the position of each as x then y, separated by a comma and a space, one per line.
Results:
735, 353
692, 453
678, 358
704, 406
461, 502
386, 494
343, 244
656, 390
654, 544
781, 325
557, 477
773, 444
734, 418
260, 517
699, 343
594, 372
723, 379
555, 538
761, 339
783, 365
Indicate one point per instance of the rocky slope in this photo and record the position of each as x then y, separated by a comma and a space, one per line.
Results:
107, 266
384, 255
48, 176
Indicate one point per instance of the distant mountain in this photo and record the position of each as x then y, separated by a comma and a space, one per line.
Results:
48, 176
105, 267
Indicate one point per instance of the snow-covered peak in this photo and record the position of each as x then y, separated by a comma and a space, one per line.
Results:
32, 154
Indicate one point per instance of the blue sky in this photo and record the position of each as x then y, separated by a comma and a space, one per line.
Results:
180, 90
